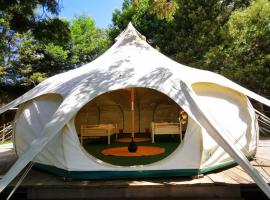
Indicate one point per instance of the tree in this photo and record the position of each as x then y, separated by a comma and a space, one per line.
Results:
163, 9
20, 17
195, 28
245, 54
87, 41
35, 60
148, 23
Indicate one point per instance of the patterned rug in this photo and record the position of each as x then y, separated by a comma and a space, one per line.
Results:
141, 151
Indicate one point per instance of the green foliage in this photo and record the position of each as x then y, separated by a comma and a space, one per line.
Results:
6, 42
245, 54
148, 23
6, 142
163, 9
87, 41
195, 29
56, 53
52, 31
20, 69
21, 16
35, 61
24, 35
30, 60
37, 77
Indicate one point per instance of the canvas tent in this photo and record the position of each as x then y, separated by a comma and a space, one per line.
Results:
222, 126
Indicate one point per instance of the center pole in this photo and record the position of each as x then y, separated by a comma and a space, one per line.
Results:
132, 112
132, 147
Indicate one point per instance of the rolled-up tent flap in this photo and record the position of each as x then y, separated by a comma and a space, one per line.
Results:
219, 135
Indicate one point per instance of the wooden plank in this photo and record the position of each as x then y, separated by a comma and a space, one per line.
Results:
145, 183
239, 170
261, 162
205, 180
191, 181
263, 153
264, 173
231, 176
221, 178
263, 166
232, 173
178, 181
227, 178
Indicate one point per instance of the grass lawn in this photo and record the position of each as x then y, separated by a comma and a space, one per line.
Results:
6, 142
95, 146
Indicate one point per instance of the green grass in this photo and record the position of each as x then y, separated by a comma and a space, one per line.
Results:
6, 142
95, 146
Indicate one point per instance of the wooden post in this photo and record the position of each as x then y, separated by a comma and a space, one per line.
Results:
139, 116
132, 112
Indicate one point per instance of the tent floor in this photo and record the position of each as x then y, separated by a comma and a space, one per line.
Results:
96, 146
141, 151
231, 183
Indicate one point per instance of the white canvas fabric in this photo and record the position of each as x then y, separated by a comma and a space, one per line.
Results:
218, 109
222, 137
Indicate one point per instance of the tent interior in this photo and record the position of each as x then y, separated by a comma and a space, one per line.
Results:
114, 109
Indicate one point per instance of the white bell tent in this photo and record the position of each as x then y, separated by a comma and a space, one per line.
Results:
222, 126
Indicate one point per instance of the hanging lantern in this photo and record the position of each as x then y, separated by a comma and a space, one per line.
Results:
183, 117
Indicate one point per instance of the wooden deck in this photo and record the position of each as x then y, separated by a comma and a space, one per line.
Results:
232, 183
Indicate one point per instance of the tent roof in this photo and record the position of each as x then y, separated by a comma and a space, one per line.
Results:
132, 61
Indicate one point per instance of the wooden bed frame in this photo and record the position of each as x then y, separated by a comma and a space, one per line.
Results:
107, 130
166, 128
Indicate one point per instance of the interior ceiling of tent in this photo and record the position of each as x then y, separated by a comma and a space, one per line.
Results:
114, 107
142, 96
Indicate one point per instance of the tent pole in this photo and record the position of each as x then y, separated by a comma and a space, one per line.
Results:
139, 116
132, 112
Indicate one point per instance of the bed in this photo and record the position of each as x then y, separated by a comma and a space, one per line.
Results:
107, 130
166, 128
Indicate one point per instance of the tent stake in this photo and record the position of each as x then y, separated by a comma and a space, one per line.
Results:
20, 180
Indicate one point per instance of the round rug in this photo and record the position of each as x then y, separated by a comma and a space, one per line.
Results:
141, 151
135, 139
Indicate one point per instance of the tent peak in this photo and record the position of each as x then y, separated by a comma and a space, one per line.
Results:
130, 32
